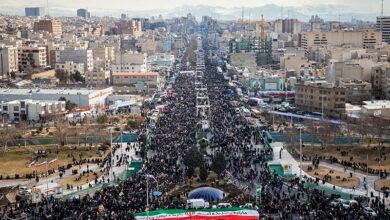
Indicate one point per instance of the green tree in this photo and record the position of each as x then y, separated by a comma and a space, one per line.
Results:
78, 77
193, 158
68, 104
62, 75
219, 163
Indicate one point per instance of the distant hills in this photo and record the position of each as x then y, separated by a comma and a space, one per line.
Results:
270, 12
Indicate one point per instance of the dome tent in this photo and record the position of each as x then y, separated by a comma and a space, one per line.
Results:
207, 193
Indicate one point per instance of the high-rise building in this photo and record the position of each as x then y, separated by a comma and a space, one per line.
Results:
84, 13
292, 26
34, 11
51, 26
369, 39
8, 60
383, 24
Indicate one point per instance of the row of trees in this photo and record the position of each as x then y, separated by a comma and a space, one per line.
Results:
65, 77
366, 128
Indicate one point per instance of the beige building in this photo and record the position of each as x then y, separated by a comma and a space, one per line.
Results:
97, 78
8, 60
357, 91
380, 78
320, 97
71, 67
136, 83
293, 62
364, 39
51, 26
31, 56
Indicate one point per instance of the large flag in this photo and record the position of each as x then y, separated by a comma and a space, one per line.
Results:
175, 214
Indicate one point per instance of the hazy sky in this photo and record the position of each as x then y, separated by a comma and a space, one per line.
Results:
368, 5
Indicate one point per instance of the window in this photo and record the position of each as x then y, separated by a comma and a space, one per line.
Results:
22, 105
16, 108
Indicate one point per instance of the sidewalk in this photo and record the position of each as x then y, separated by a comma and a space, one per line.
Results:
288, 159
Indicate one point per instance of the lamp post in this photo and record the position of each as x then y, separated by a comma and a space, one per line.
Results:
147, 177
300, 152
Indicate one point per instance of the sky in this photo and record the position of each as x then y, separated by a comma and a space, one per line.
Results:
169, 4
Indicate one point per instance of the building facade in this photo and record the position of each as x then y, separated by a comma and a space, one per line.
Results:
320, 97
31, 110
84, 13
8, 60
77, 56
31, 56
369, 39
51, 26
383, 25
98, 78
71, 67
34, 12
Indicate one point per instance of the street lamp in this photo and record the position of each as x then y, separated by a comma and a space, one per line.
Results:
300, 151
147, 177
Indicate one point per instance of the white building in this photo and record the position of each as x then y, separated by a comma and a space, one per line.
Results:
77, 56
71, 67
81, 97
31, 110
8, 60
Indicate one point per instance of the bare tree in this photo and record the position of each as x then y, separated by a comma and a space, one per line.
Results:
325, 133
7, 134
62, 129
24, 126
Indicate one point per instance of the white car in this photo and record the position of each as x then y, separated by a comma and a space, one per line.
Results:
24, 189
369, 211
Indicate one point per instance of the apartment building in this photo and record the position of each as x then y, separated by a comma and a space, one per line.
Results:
51, 26
320, 97
136, 83
31, 56
71, 67
77, 56
98, 78
292, 26
8, 60
31, 110
357, 91
363, 39
383, 25
380, 78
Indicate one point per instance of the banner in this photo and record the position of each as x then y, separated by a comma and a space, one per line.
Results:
226, 214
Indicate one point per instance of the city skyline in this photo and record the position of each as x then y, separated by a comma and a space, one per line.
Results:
109, 7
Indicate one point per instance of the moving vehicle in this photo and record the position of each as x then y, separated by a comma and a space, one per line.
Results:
197, 204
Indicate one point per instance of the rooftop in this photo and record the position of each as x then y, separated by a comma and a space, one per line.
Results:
4, 91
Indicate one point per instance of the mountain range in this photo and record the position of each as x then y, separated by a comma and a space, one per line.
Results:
270, 12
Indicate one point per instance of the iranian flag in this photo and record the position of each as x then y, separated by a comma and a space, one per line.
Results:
209, 214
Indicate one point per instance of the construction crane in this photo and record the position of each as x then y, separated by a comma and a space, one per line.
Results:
260, 25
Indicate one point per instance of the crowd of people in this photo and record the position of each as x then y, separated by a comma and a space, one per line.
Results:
172, 135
